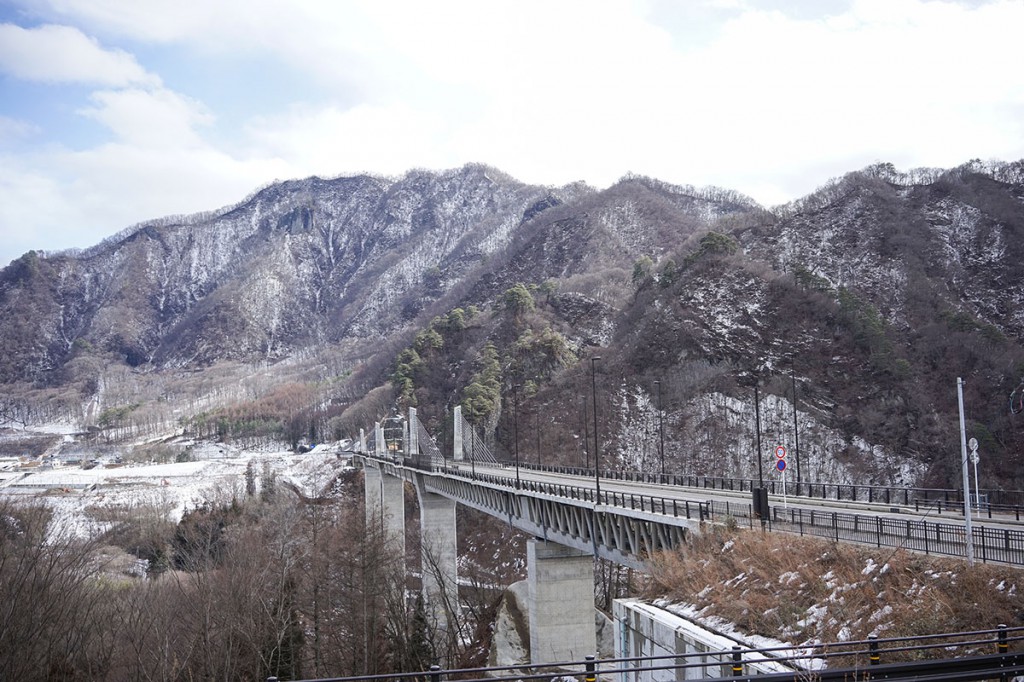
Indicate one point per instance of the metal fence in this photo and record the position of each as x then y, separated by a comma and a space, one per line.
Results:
982, 654
995, 545
941, 500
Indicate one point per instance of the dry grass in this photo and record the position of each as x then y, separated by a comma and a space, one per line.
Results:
806, 590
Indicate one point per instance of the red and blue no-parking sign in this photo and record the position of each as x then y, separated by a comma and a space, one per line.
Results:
781, 465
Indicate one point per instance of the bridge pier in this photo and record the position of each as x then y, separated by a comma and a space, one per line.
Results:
393, 502
561, 602
385, 504
439, 557
373, 494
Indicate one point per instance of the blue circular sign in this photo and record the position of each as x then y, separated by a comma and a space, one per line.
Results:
780, 465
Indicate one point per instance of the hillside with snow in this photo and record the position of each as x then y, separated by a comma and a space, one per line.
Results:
315, 307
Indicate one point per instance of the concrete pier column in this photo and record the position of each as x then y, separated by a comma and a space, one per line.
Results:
378, 439
457, 452
372, 493
393, 501
440, 560
362, 441
561, 602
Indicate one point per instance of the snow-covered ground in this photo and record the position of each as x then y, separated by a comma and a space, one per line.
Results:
74, 492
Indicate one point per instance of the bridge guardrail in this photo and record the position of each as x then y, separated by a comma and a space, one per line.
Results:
941, 500
688, 509
997, 545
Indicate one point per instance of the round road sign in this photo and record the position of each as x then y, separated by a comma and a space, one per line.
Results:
973, 444
780, 452
781, 465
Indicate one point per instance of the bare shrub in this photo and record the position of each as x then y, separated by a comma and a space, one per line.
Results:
806, 589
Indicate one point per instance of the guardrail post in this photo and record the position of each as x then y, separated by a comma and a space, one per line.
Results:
435, 673
1002, 647
873, 656
737, 662
590, 676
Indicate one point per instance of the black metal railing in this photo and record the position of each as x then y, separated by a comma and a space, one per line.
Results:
941, 500
981, 654
990, 545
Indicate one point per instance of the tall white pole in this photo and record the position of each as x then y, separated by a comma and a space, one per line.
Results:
967, 482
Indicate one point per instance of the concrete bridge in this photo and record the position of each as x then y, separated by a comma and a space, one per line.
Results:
574, 516
568, 525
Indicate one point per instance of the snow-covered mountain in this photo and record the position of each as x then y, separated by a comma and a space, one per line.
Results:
874, 293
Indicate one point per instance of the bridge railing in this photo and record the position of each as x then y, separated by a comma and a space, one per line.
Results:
996, 545
940, 500
981, 654
688, 509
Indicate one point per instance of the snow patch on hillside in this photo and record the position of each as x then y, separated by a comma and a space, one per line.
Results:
75, 493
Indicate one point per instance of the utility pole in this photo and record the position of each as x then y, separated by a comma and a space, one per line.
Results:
515, 427
967, 483
597, 451
757, 421
586, 434
661, 429
796, 431
538, 436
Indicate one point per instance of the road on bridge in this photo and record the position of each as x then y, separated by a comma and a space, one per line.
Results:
999, 539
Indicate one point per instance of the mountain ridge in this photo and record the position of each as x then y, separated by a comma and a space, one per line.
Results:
876, 285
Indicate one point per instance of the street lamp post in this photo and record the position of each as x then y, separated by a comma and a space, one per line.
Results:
796, 433
757, 421
538, 436
597, 452
967, 483
586, 435
761, 506
661, 430
515, 427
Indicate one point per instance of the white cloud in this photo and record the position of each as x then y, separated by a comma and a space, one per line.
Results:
15, 129
770, 103
63, 54
170, 21
150, 118
330, 141
31, 208
102, 190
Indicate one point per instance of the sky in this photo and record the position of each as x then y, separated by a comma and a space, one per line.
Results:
113, 112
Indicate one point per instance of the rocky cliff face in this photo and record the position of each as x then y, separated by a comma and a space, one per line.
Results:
318, 261
302, 262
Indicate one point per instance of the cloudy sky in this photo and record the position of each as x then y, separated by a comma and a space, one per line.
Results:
116, 111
